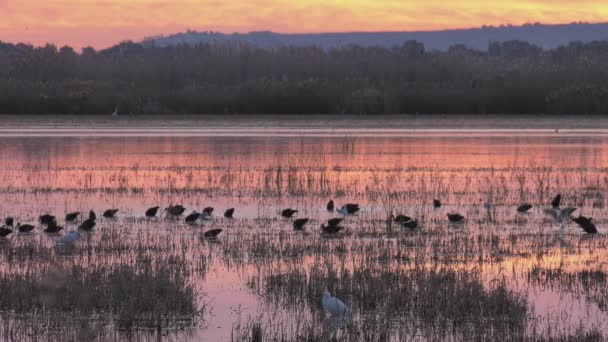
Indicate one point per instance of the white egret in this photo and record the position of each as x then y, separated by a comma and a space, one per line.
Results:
333, 305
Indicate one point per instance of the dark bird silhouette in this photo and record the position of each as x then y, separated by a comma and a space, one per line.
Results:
455, 218
349, 208
152, 212
334, 221
24, 228
332, 230
110, 213
9, 221
556, 201
193, 217
401, 218
52, 227
288, 212
586, 223
87, 225
5, 231
212, 234
228, 213
412, 224
524, 208
207, 211
175, 210
92, 215
330, 205
436, 203
71, 217
299, 223
46, 219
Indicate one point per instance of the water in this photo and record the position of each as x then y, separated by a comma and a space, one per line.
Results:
260, 168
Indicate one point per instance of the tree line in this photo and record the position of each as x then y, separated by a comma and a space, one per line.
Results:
510, 77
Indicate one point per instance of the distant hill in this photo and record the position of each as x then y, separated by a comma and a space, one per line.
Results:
545, 36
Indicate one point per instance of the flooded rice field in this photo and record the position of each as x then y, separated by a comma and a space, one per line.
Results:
499, 274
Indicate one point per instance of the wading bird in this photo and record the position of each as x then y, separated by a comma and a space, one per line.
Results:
412, 224
53, 228
288, 213
436, 204
556, 201
193, 217
559, 214
524, 208
330, 205
110, 213
332, 230
334, 221
24, 228
455, 218
152, 212
87, 225
5, 231
228, 213
349, 208
299, 223
175, 210
586, 223
212, 234
333, 305
46, 219
401, 218
71, 217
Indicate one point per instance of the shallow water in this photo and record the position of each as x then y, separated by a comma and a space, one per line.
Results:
76, 166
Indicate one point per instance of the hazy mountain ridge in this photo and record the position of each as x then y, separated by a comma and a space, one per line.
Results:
545, 36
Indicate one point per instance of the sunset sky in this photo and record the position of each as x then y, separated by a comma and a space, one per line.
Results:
101, 23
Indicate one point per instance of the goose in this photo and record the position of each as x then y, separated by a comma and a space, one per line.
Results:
455, 218
334, 221
87, 225
152, 212
175, 210
412, 224
401, 218
333, 305
71, 217
69, 238
332, 230
299, 223
110, 213
46, 219
436, 203
212, 234
288, 213
193, 217
9, 221
330, 205
5, 231
52, 228
586, 223
24, 228
92, 215
207, 213
556, 201
524, 208
559, 214
228, 213
349, 208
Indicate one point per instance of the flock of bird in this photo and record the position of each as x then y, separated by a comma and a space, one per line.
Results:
332, 227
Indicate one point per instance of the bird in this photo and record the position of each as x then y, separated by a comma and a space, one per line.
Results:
334, 221
110, 213
52, 228
412, 224
175, 210
559, 214
586, 223
524, 208
5, 231
212, 234
401, 218
208, 210
152, 212
71, 217
115, 113
288, 212
333, 305
299, 223
455, 218
349, 208
9, 221
46, 219
193, 217
92, 215
228, 213
436, 204
87, 225
68, 238
556, 201
24, 228
330, 205
332, 230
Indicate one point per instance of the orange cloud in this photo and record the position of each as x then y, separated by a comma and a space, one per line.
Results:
105, 22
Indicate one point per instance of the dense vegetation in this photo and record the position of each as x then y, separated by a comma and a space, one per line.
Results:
510, 77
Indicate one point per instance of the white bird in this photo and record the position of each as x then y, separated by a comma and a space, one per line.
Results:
68, 238
333, 305
559, 214
115, 111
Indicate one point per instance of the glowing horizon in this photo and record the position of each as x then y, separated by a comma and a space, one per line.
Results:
102, 23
